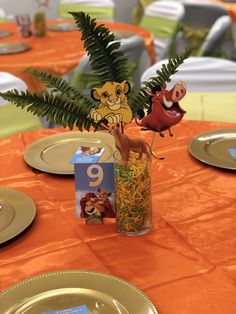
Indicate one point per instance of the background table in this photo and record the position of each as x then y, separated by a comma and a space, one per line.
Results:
230, 7
58, 52
186, 264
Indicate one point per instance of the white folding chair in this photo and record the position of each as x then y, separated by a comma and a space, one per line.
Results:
102, 10
2, 15
9, 81
13, 119
133, 48
199, 17
138, 59
163, 18
211, 87
219, 41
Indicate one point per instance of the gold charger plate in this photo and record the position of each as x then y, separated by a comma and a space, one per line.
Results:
100, 292
212, 148
17, 211
62, 27
53, 153
4, 33
13, 47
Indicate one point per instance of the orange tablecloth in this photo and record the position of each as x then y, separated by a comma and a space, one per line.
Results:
186, 264
58, 52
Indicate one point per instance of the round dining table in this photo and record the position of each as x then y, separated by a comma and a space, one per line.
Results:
185, 265
230, 6
58, 52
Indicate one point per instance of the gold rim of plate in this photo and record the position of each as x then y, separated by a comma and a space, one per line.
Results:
62, 27
212, 148
4, 33
53, 153
70, 288
17, 212
13, 47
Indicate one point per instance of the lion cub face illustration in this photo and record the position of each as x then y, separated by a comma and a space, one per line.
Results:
113, 103
111, 94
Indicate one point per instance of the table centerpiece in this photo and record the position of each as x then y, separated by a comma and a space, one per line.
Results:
110, 108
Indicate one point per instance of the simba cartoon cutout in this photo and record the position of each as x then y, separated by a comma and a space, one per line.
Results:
113, 104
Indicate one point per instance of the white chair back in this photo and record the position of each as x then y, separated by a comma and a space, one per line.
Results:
9, 81
162, 18
13, 119
198, 19
133, 48
211, 87
2, 15
138, 59
219, 41
201, 74
202, 13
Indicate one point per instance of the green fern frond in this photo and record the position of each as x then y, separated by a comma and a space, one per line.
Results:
106, 60
164, 74
142, 99
55, 83
63, 104
57, 108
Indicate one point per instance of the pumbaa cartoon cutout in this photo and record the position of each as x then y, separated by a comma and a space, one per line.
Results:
113, 104
165, 111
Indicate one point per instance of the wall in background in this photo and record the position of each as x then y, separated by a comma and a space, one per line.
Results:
11, 7
27, 7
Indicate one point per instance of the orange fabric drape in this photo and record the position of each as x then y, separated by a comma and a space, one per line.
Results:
58, 52
230, 7
185, 265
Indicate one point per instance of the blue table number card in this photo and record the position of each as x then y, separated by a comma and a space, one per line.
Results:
74, 310
232, 152
94, 185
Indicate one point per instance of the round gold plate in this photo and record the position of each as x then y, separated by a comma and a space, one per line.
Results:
62, 27
17, 211
212, 148
4, 33
13, 47
53, 153
100, 292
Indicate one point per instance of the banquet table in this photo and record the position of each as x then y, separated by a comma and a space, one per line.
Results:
185, 265
230, 7
58, 52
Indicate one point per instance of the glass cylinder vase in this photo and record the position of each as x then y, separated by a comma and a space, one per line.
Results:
40, 27
133, 194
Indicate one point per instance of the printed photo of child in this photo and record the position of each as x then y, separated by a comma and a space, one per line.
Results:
87, 154
90, 150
